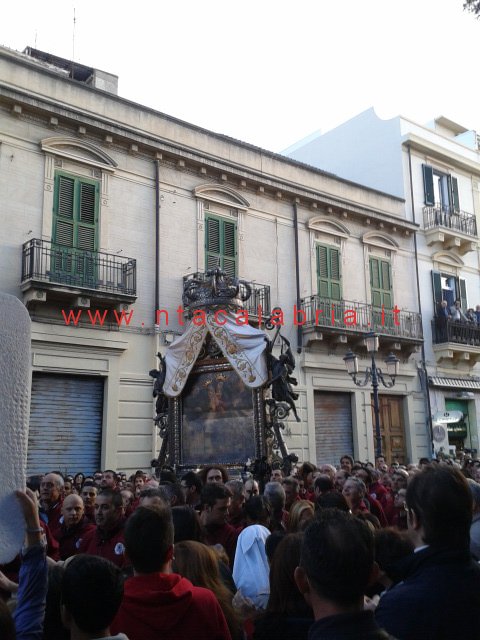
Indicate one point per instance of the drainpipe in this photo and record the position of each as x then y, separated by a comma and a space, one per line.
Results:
424, 373
297, 274
155, 453
157, 239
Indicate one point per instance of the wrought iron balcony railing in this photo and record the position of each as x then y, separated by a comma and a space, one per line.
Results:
449, 218
259, 296
53, 264
464, 333
359, 317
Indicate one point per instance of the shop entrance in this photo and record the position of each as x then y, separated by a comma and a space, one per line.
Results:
458, 431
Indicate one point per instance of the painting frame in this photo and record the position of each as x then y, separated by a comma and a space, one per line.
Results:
230, 424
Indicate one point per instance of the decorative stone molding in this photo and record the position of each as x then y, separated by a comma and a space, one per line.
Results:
222, 195
380, 240
79, 151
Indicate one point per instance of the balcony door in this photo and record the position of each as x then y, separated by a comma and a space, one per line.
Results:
381, 291
75, 230
392, 428
221, 244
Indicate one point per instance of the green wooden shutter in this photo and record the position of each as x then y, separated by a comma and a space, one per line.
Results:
212, 243
381, 283
336, 288
75, 228
386, 284
328, 272
428, 185
454, 194
63, 209
437, 288
229, 247
463, 294
87, 217
322, 272
375, 282
221, 245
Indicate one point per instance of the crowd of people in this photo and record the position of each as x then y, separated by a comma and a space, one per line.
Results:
453, 322
358, 550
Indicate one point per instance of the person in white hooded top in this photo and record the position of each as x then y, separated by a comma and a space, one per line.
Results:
251, 569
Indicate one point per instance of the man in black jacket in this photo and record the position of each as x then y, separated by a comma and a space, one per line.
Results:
337, 564
440, 595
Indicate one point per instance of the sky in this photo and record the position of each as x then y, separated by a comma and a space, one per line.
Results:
268, 72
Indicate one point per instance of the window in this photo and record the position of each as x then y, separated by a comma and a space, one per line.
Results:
328, 272
220, 244
381, 283
75, 228
449, 288
440, 190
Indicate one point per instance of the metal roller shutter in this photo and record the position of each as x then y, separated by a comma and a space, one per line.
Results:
65, 424
333, 426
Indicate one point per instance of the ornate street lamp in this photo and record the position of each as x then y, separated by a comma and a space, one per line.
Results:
374, 375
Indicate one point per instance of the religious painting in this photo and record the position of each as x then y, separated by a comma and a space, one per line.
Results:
218, 417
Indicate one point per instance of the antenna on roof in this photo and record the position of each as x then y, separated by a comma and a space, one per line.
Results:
73, 41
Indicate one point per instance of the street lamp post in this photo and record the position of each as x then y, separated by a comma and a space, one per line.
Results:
373, 375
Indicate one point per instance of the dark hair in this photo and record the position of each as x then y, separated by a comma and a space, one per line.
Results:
151, 492
214, 491
285, 598
290, 481
111, 471
323, 483
369, 479
92, 591
33, 482
115, 496
346, 456
53, 628
186, 524
337, 556
256, 508
77, 475
332, 500
440, 498
272, 542
204, 472
192, 479
148, 537
173, 490
306, 468
167, 475
391, 546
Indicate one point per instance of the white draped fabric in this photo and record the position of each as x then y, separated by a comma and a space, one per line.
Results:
242, 345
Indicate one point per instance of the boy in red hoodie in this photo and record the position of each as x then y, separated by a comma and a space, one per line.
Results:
158, 603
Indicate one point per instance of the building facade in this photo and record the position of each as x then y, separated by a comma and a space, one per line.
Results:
108, 206
436, 169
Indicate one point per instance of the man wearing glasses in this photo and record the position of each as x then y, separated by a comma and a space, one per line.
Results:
440, 594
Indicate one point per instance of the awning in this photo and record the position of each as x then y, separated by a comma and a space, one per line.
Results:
455, 383
447, 417
242, 345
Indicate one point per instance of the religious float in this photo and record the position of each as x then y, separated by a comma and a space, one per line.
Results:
221, 393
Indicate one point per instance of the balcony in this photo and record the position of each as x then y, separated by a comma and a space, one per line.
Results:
343, 321
199, 288
75, 274
450, 229
456, 341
